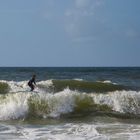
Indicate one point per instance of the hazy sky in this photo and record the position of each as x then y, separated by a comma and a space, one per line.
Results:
69, 32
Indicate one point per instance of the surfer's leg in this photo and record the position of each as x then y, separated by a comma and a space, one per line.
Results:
32, 87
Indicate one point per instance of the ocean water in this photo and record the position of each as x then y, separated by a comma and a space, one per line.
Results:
99, 103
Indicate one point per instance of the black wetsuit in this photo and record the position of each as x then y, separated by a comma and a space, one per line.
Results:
30, 83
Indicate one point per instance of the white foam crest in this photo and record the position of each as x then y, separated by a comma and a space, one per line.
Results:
14, 106
60, 103
18, 86
121, 101
78, 79
107, 82
46, 83
22, 86
3, 81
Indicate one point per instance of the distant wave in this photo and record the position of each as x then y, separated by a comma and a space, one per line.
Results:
59, 85
86, 86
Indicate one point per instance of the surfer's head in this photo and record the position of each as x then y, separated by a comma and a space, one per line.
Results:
34, 76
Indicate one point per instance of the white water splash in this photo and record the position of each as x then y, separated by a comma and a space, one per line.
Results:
14, 106
120, 101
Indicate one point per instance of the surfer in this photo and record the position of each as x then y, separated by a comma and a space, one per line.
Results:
32, 83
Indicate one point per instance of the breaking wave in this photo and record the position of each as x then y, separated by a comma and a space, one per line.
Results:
20, 103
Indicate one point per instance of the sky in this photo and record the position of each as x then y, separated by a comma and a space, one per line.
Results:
69, 33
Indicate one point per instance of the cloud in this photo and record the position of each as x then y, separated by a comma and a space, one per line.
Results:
82, 18
82, 3
48, 9
131, 33
84, 39
83, 8
11, 11
88, 3
79, 18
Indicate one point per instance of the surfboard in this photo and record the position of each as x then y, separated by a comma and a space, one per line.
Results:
25, 91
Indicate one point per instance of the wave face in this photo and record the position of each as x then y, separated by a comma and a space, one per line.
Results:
81, 85
54, 99
4, 88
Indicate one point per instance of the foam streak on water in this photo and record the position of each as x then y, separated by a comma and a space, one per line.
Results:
57, 132
75, 131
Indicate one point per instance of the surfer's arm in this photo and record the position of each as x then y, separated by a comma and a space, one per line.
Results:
34, 83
